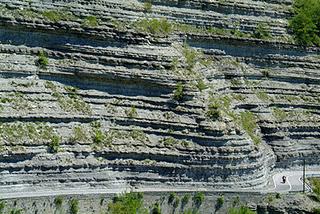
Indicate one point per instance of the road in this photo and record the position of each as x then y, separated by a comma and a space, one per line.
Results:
293, 184
294, 181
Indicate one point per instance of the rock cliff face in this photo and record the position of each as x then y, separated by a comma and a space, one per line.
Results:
114, 93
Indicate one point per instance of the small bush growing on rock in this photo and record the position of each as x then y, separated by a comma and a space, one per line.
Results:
198, 198
262, 32
213, 112
240, 210
236, 201
263, 96
279, 114
98, 137
176, 202
315, 182
58, 201
248, 121
58, 15
201, 85
129, 203
147, 6
2, 206
16, 211
191, 56
54, 144
316, 211
185, 200
156, 209
171, 198
90, 21
157, 27
79, 135
42, 60
132, 112
74, 206
220, 202
178, 93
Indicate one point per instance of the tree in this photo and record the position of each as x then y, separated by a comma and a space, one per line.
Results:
306, 22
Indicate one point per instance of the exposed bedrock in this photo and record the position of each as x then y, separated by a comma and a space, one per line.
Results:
105, 106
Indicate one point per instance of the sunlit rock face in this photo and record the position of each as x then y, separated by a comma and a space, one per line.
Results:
120, 94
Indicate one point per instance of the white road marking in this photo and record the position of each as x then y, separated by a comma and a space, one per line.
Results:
290, 187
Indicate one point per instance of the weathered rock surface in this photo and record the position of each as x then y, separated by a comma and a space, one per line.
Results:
102, 113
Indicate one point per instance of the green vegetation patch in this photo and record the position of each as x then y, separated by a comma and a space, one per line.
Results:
147, 6
58, 15
262, 31
279, 114
315, 182
80, 134
248, 121
128, 203
90, 21
240, 210
305, 23
74, 206
132, 112
58, 201
179, 92
42, 61
157, 27
17, 101
31, 132
72, 102
198, 198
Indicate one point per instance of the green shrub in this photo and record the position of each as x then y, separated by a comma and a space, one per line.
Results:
147, 6
178, 93
90, 21
185, 200
98, 137
198, 198
54, 144
279, 114
58, 15
58, 201
316, 211
42, 60
213, 112
220, 201
262, 31
79, 134
201, 85
241, 210
315, 183
236, 201
2, 206
176, 202
171, 198
132, 112
156, 209
16, 211
191, 56
74, 206
248, 121
305, 23
157, 27
129, 203
263, 96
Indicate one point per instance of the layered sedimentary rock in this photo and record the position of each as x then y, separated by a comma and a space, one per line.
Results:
203, 95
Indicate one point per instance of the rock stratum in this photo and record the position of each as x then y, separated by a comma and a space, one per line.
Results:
177, 93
